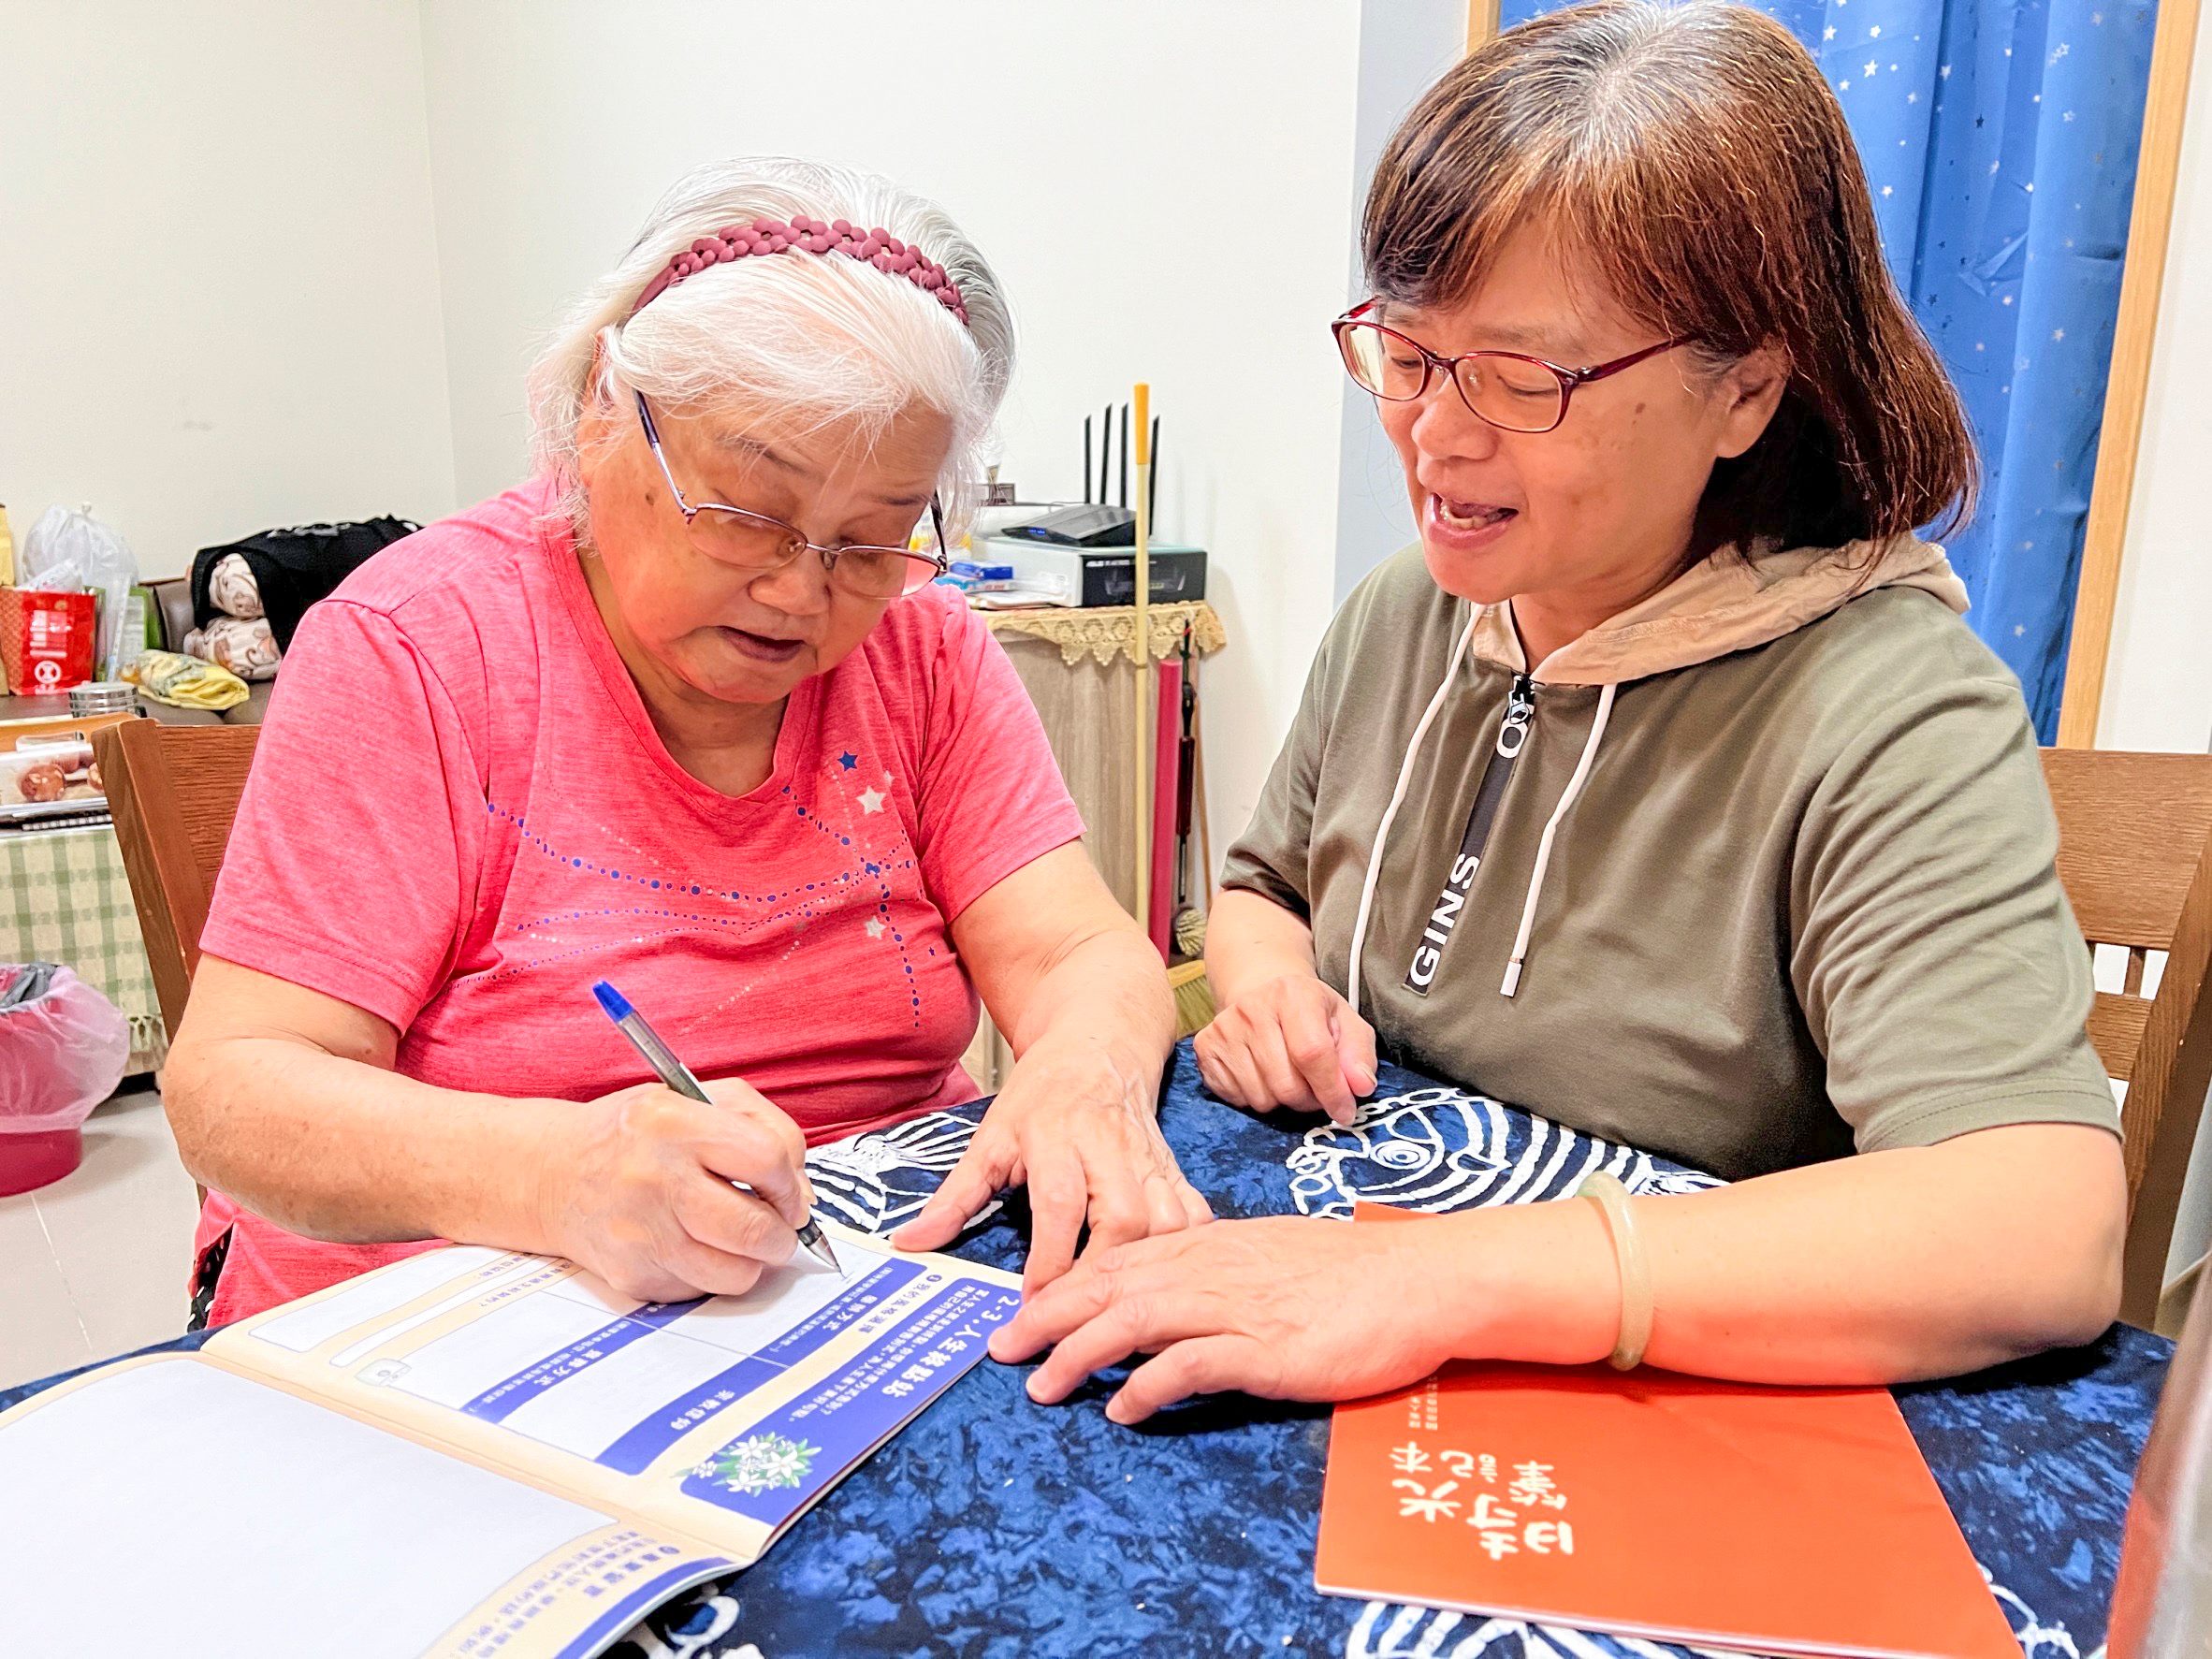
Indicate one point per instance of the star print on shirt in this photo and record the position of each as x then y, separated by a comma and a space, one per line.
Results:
875, 927
849, 760
871, 800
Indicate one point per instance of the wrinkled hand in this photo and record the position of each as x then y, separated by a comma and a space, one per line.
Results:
1289, 1042
637, 1189
1286, 1308
1087, 1144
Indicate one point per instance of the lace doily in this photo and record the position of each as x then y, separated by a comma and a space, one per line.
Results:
1111, 630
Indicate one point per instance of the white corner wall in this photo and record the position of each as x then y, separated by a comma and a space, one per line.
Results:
1405, 46
218, 269
1166, 189
2158, 691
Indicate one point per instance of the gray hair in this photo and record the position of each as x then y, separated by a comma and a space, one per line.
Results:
822, 339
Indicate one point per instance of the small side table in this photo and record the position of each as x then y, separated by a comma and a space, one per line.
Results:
1078, 668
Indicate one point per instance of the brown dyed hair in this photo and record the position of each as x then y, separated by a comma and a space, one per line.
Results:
1693, 158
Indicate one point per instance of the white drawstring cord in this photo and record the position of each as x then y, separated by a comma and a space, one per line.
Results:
1536, 880
1382, 830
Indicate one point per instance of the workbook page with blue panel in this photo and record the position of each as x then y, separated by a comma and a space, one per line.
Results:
653, 1444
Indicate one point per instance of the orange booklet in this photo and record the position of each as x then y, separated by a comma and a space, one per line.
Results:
1784, 1521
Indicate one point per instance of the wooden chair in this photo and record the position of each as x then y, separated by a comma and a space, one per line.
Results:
2135, 858
173, 791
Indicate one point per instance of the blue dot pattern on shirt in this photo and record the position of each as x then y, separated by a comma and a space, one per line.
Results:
866, 876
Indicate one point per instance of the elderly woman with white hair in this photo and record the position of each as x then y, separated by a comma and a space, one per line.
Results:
683, 712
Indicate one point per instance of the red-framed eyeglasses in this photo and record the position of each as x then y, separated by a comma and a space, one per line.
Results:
1511, 390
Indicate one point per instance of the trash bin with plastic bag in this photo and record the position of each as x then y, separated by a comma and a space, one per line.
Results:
63, 1050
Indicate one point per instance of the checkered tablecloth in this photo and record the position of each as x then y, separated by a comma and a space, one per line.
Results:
64, 898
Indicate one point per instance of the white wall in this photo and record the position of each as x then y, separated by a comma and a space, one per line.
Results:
1166, 189
2158, 691
1404, 45
217, 269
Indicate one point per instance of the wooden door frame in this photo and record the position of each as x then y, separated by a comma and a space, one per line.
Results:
2143, 281
2127, 383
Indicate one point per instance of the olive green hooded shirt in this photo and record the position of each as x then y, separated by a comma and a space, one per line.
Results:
1767, 872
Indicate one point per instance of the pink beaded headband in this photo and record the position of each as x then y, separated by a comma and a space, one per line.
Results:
878, 248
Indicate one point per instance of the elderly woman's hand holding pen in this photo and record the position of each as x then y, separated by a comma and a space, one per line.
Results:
637, 1187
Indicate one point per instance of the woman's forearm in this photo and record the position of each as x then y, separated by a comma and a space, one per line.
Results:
338, 1149
1107, 993
1885, 1268
1251, 940
1063, 969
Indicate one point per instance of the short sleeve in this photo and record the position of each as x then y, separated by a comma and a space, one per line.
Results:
990, 797
351, 868
1937, 961
1274, 856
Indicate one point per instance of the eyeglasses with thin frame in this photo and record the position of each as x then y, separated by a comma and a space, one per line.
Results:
1511, 390
747, 540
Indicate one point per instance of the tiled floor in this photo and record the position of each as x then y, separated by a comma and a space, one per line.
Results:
94, 1264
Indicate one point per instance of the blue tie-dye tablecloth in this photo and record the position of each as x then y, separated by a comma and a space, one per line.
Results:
993, 1526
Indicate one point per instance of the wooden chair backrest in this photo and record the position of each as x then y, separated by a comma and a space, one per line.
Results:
2135, 859
174, 790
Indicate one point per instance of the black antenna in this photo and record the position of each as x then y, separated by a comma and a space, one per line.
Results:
1124, 455
1105, 451
1087, 459
1152, 488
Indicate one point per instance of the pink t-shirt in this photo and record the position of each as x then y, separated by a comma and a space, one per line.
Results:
460, 816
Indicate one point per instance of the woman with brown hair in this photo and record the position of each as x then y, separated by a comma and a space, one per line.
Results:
1659, 790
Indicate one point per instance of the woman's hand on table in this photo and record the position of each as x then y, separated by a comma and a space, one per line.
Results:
1290, 1042
637, 1189
1085, 1139
1079, 991
1287, 1308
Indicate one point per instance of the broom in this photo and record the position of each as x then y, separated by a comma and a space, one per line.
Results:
1193, 992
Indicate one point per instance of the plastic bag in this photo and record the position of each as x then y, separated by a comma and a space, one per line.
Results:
63, 1049
68, 549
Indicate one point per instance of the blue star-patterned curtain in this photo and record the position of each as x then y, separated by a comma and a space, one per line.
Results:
2000, 141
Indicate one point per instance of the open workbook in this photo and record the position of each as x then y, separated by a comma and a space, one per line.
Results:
469, 1453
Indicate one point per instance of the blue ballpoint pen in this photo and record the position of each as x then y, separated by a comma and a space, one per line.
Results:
677, 1076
